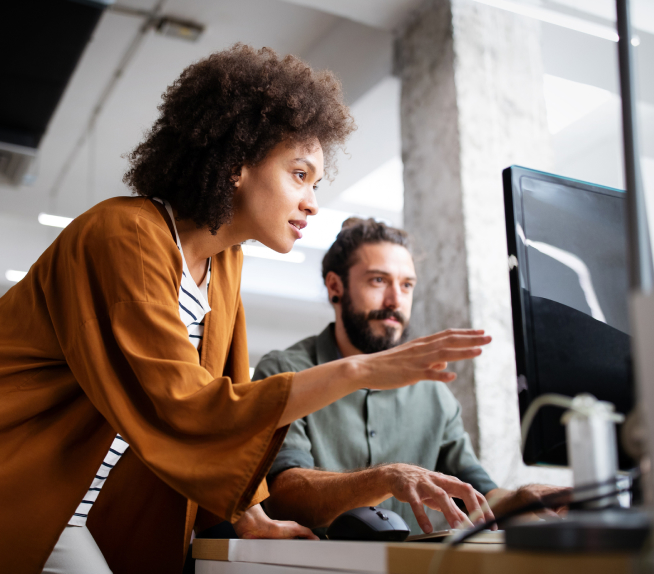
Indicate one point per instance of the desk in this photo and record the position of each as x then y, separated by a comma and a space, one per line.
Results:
335, 557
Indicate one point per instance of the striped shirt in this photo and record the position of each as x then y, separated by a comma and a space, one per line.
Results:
193, 299
193, 306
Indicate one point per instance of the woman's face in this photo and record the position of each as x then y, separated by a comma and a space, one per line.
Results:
274, 198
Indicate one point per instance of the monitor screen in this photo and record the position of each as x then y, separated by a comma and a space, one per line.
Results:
569, 287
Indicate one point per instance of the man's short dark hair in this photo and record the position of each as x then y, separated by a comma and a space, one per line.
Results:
354, 233
227, 111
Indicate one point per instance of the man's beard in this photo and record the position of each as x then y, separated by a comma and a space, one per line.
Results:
357, 327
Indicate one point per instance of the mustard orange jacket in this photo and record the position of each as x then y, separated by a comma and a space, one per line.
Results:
91, 343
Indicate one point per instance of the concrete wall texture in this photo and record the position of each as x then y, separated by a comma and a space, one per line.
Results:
472, 104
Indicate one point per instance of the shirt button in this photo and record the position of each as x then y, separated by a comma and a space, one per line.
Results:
373, 433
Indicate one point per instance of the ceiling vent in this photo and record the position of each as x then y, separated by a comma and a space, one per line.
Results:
44, 39
17, 164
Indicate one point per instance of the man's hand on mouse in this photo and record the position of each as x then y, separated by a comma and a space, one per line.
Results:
255, 523
419, 486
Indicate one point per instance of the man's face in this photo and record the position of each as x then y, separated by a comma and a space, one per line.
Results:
376, 305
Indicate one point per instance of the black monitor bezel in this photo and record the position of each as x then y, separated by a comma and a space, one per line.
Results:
521, 305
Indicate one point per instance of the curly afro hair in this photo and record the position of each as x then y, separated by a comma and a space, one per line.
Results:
230, 110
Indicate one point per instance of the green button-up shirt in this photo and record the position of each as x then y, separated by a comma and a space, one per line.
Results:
420, 425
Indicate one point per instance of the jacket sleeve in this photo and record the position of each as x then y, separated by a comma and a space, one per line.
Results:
210, 438
296, 450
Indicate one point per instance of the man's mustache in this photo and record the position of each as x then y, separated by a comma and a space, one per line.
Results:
381, 314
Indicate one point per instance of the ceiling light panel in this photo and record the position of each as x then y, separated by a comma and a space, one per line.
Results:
14, 276
567, 102
382, 189
54, 220
265, 253
555, 18
323, 228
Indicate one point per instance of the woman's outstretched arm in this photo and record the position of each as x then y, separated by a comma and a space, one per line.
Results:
422, 359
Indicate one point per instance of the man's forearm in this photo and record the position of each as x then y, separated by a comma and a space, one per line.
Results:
314, 498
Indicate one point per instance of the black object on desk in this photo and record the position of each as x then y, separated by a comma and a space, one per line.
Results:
614, 530
369, 523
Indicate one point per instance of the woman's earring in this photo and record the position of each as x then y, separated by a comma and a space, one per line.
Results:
335, 299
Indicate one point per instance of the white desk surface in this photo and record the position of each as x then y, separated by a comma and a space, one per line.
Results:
335, 557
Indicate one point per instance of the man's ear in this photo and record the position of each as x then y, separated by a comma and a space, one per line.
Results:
334, 285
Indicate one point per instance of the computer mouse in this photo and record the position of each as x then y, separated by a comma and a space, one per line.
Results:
369, 523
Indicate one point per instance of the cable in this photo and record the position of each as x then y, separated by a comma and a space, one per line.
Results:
549, 399
584, 404
128, 55
554, 500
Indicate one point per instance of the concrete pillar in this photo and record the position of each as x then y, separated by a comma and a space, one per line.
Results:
472, 104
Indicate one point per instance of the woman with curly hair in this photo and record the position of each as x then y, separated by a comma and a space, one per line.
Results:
128, 418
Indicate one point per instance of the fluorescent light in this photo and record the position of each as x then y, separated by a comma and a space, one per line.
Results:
567, 101
54, 220
14, 276
556, 18
383, 188
323, 228
265, 253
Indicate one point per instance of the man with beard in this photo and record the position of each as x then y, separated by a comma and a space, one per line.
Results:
400, 449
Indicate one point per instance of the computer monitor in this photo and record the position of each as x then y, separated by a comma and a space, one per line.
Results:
567, 243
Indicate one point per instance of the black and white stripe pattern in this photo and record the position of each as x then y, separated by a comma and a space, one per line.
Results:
193, 306
116, 450
193, 299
